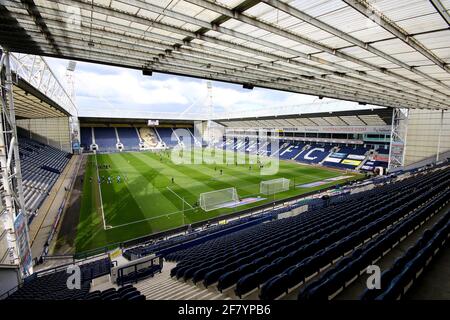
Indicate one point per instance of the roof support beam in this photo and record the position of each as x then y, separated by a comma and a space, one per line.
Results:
40, 23
347, 37
376, 83
171, 66
247, 4
236, 34
365, 9
121, 15
133, 46
144, 47
303, 40
188, 67
217, 69
325, 93
270, 70
441, 10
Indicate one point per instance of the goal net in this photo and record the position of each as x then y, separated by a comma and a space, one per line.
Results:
218, 199
274, 186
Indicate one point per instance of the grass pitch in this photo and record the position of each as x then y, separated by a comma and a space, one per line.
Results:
146, 200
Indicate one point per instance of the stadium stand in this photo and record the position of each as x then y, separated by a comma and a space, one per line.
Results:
342, 157
406, 268
378, 77
149, 137
346, 158
379, 159
315, 154
162, 248
52, 284
41, 167
166, 136
86, 137
331, 155
279, 255
350, 267
291, 150
106, 139
252, 145
129, 138
195, 141
330, 244
127, 292
49, 287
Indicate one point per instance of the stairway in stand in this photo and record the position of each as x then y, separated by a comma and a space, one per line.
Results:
163, 287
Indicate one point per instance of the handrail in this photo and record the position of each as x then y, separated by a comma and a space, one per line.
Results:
4, 233
7, 251
62, 267
136, 276
7, 293
97, 251
57, 256
42, 273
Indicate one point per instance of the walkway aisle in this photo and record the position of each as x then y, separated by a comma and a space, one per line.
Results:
163, 287
41, 225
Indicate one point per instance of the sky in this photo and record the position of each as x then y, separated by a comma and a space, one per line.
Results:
106, 90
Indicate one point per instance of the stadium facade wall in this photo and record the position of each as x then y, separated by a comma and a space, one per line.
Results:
51, 131
424, 129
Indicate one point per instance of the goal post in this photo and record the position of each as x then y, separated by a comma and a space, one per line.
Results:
218, 199
273, 186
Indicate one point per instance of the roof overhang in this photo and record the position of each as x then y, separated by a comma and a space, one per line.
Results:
392, 54
104, 121
30, 103
341, 119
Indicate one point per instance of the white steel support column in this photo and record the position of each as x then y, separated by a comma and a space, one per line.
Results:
16, 171
439, 137
11, 176
399, 132
7, 202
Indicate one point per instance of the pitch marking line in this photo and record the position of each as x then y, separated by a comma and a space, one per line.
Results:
100, 192
179, 197
150, 218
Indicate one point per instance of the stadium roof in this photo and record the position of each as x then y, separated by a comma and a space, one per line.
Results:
377, 117
31, 103
387, 53
37, 91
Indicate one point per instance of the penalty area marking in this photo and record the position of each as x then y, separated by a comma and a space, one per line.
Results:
179, 197
147, 219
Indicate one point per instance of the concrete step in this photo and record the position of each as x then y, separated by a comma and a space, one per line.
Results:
163, 287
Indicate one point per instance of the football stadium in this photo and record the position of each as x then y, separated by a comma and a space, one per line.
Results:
227, 150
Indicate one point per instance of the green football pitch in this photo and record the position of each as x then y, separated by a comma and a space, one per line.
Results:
155, 194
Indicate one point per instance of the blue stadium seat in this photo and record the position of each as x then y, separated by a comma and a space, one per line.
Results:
280, 254
129, 138
106, 139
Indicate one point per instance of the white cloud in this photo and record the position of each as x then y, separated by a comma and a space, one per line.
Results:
125, 88
124, 92
129, 87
